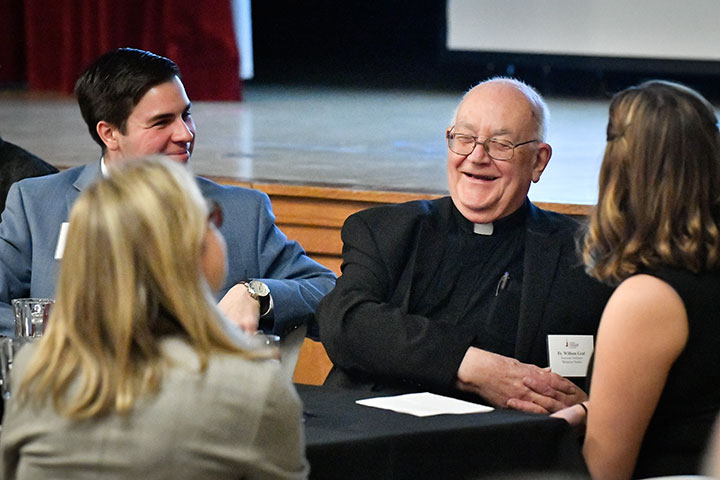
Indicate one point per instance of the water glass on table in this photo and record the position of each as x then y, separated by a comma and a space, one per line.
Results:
31, 315
263, 340
8, 350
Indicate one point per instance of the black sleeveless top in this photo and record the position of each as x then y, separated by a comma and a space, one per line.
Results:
681, 426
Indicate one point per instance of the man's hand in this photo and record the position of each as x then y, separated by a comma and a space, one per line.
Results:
506, 382
240, 308
552, 393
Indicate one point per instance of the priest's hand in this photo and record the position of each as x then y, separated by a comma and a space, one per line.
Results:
506, 382
553, 393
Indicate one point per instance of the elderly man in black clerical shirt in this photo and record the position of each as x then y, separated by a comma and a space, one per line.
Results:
458, 295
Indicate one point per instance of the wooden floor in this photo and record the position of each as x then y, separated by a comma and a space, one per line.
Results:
351, 139
368, 140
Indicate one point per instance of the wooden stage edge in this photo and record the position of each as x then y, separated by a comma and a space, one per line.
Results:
372, 196
313, 215
362, 195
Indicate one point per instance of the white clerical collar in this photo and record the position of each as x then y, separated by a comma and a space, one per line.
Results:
483, 228
103, 167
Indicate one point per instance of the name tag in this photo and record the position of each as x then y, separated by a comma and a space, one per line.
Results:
61, 240
570, 354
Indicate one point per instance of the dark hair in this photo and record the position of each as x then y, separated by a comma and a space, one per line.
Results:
111, 87
659, 198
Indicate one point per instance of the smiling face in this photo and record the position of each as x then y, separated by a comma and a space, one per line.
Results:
159, 124
483, 189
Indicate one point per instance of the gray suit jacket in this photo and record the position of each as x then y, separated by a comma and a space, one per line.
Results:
238, 419
36, 208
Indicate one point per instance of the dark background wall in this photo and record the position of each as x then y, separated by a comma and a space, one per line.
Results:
400, 44
348, 42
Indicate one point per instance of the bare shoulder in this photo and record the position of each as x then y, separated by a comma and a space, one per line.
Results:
645, 293
647, 308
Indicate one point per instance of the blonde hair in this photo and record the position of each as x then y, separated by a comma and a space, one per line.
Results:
130, 275
659, 189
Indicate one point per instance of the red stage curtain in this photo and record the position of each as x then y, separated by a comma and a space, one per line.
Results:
12, 45
64, 36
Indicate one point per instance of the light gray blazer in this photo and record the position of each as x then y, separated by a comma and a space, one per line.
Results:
36, 208
238, 419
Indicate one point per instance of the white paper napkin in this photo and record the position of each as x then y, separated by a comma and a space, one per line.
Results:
424, 404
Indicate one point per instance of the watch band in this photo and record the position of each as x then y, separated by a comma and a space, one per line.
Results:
260, 292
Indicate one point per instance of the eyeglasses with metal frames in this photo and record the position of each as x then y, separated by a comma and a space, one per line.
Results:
497, 149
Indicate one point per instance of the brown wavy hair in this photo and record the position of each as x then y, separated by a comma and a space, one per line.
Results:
659, 189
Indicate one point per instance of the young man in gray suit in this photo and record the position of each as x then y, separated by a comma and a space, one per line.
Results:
135, 104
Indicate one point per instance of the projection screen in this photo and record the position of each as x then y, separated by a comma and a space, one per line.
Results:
631, 29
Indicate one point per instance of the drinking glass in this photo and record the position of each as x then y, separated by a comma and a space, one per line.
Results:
31, 316
8, 349
266, 339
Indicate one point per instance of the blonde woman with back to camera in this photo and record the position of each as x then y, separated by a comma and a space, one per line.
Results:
138, 376
655, 389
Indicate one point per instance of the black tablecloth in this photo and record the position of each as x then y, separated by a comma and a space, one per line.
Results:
350, 441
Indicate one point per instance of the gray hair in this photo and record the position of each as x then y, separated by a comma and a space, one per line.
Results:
537, 103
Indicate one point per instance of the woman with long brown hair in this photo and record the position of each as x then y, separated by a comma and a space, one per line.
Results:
655, 233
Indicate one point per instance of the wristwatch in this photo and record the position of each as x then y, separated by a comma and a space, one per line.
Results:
260, 292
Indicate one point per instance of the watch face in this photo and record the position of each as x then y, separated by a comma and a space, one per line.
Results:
260, 289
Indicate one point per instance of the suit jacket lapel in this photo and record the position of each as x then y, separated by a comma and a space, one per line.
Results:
542, 254
90, 173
